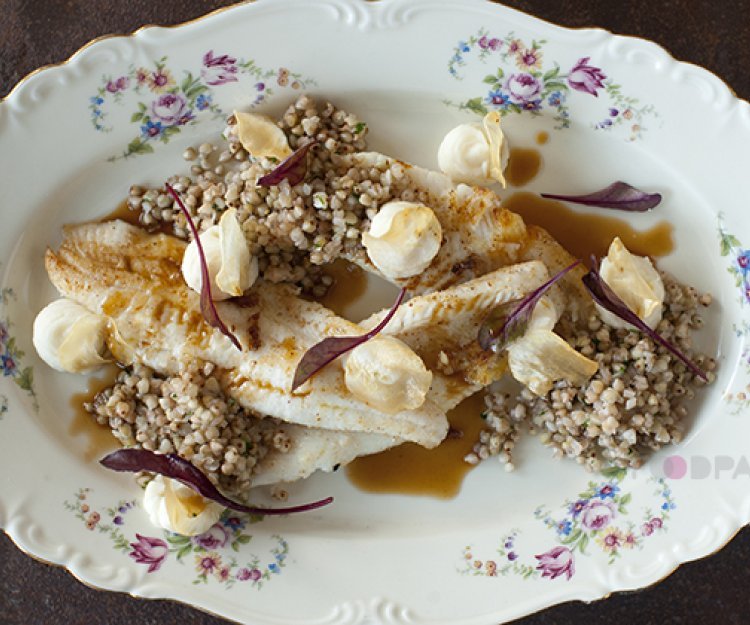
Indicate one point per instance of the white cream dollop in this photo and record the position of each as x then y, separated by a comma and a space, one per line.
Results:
636, 282
178, 508
403, 239
475, 153
261, 137
540, 357
70, 338
386, 374
231, 268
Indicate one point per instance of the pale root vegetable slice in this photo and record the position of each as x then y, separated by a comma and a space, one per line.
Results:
261, 137
239, 268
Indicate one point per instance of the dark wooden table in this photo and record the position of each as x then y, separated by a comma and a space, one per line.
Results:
711, 33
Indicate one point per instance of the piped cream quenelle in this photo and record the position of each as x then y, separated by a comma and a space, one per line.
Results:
178, 508
403, 239
70, 338
475, 153
386, 374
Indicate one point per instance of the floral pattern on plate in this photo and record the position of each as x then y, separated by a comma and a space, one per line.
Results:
165, 104
523, 83
597, 517
217, 554
11, 356
739, 269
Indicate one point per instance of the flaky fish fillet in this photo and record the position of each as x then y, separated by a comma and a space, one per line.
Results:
444, 325
479, 235
313, 450
446, 321
134, 278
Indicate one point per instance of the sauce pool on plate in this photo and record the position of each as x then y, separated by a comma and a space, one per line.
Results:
583, 234
523, 166
99, 438
413, 470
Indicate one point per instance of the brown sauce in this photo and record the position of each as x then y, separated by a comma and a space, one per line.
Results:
410, 469
542, 138
98, 438
124, 213
349, 284
523, 166
583, 234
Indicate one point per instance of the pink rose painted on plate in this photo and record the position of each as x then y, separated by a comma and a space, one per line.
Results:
215, 537
522, 88
597, 514
171, 108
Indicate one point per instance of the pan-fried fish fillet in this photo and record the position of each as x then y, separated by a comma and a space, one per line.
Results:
444, 324
313, 450
117, 269
446, 321
479, 235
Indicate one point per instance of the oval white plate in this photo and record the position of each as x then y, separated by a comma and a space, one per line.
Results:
509, 544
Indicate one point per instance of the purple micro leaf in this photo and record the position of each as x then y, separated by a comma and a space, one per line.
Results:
293, 168
208, 307
603, 295
509, 321
619, 195
176, 468
325, 352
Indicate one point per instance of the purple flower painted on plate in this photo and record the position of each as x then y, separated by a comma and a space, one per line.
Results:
585, 77
151, 551
218, 70
9, 365
487, 43
215, 538
121, 84
184, 119
535, 105
613, 112
647, 529
656, 523
245, 574
512, 556
260, 86
576, 507
597, 514
118, 520
556, 562
743, 261
522, 88
170, 108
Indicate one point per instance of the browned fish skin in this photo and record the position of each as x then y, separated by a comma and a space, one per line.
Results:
115, 269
